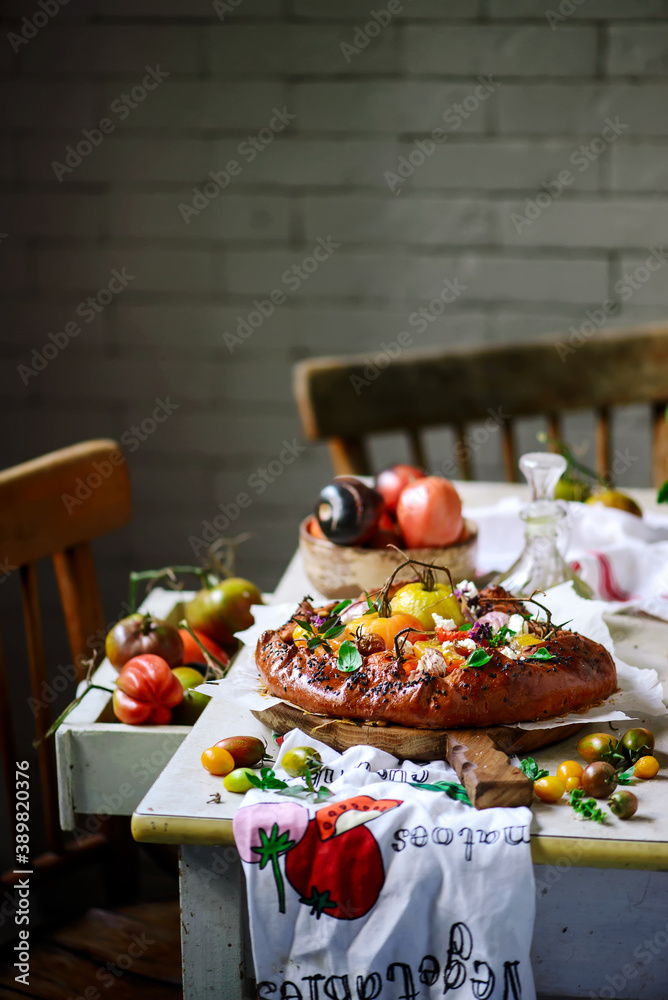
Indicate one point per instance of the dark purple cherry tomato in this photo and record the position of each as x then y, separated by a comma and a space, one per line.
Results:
638, 743
623, 803
348, 512
599, 779
142, 633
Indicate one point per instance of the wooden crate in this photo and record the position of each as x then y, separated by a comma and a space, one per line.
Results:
105, 767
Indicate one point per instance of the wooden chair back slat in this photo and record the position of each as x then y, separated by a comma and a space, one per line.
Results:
660, 443
603, 447
7, 740
349, 457
553, 430
463, 452
417, 452
80, 597
457, 387
508, 451
38, 683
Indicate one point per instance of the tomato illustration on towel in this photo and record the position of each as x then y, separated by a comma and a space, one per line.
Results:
337, 867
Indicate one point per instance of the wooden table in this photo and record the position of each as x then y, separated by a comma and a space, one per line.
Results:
597, 933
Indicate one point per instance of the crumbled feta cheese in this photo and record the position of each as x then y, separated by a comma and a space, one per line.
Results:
468, 588
516, 624
467, 644
408, 649
510, 653
449, 624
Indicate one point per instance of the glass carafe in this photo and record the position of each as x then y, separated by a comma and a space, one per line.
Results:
541, 564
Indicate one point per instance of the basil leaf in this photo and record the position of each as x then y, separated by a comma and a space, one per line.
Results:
529, 767
478, 658
663, 494
349, 658
541, 654
305, 625
466, 627
341, 607
332, 633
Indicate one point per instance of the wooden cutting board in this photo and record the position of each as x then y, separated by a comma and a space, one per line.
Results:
479, 756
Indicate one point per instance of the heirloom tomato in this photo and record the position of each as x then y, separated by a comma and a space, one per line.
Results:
224, 609
595, 745
146, 691
299, 760
415, 599
194, 702
392, 481
429, 513
246, 750
623, 803
142, 633
238, 780
348, 511
217, 761
599, 779
638, 742
192, 652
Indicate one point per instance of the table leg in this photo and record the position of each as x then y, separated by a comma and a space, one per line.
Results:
216, 958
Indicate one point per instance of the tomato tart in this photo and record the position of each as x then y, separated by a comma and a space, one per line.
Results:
434, 657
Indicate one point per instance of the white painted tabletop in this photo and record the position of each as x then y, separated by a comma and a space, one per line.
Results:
178, 807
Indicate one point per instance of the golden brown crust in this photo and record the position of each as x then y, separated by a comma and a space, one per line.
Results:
504, 691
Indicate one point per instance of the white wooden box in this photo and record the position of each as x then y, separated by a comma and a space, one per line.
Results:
105, 767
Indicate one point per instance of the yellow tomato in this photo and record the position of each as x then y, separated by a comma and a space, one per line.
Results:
646, 767
572, 783
217, 760
413, 599
300, 637
549, 789
528, 640
569, 769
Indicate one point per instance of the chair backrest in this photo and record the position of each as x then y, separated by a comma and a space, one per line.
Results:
344, 399
53, 506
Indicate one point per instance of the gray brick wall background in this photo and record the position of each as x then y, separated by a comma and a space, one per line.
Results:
554, 81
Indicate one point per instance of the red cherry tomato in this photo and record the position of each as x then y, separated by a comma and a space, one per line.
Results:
392, 481
429, 513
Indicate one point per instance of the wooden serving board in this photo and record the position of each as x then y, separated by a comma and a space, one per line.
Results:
479, 756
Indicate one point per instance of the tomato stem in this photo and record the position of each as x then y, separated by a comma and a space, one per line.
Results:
213, 664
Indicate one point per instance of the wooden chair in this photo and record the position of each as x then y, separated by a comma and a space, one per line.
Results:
344, 399
53, 506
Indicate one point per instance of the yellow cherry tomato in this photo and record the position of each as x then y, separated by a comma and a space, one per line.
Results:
569, 769
646, 767
549, 789
300, 637
572, 783
217, 760
237, 780
423, 604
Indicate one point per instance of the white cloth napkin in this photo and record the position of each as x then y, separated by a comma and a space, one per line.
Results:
385, 889
623, 558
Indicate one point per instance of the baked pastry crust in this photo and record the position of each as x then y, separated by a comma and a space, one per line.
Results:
580, 674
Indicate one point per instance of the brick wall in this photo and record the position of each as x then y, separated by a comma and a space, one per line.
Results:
551, 85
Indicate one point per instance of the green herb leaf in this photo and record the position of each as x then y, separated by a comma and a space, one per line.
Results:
349, 658
541, 654
341, 607
305, 625
663, 494
451, 789
529, 767
332, 633
586, 807
478, 658
267, 780
626, 777
466, 627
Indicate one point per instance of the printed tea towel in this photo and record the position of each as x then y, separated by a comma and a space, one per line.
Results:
385, 890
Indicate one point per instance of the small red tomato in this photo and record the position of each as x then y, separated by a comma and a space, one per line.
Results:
193, 654
392, 481
429, 513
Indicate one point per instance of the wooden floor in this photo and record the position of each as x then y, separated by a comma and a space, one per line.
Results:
133, 953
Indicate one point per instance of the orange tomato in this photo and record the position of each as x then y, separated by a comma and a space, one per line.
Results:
218, 761
386, 628
429, 512
572, 783
300, 637
193, 654
646, 767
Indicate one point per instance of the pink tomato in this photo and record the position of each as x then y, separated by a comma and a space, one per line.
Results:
392, 481
429, 513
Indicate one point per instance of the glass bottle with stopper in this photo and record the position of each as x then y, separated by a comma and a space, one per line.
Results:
541, 564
